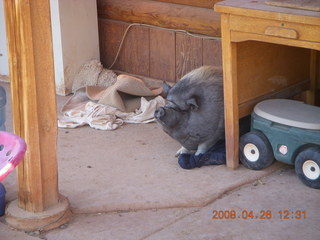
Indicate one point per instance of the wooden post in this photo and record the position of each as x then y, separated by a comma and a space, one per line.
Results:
29, 40
229, 59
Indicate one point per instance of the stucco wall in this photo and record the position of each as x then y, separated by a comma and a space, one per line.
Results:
75, 38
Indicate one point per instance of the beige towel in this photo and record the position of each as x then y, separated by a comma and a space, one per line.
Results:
107, 108
125, 94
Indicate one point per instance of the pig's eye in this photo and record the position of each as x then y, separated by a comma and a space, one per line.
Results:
173, 106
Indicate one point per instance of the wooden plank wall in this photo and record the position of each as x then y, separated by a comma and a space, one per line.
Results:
155, 53
161, 54
166, 14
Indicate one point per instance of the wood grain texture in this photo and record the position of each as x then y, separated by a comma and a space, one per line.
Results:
314, 64
188, 54
199, 3
212, 53
244, 36
230, 86
110, 35
313, 5
156, 53
290, 92
33, 100
260, 26
134, 57
167, 15
276, 67
162, 54
256, 65
259, 8
134, 53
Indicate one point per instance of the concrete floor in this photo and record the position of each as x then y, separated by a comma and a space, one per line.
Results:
126, 184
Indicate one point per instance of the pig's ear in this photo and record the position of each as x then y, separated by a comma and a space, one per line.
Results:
165, 89
192, 103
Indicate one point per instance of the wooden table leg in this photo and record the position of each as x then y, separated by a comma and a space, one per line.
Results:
230, 95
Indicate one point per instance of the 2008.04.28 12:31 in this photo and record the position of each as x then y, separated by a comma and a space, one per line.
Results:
262, 214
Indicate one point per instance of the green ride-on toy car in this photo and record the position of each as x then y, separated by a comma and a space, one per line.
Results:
288, 131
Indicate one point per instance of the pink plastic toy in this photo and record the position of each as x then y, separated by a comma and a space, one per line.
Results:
12, 150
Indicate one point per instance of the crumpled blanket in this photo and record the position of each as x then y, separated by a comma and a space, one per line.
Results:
107, 108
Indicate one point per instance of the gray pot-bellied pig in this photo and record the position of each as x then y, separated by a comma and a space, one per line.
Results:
194, 114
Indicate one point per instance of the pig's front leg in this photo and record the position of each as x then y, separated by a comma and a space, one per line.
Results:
204, 147
183, 150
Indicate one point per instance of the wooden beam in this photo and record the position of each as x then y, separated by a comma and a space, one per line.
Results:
199, 3
230, 86
28, 29
174, 16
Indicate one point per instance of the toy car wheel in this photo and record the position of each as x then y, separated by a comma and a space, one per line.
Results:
307, 166
255, 151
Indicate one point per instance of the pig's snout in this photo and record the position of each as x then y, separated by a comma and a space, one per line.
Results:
159, 113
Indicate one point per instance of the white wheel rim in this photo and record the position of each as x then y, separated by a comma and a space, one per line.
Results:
311, 169
251, 152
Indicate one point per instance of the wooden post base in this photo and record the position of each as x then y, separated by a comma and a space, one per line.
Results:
51, 218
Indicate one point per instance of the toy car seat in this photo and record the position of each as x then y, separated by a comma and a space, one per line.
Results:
12, 150
289, 112
288, 131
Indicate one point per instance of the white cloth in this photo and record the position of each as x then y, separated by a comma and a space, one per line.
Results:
104, 117
108, 107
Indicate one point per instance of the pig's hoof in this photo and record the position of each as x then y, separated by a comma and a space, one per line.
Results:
183, 150
201, 151
215, 156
